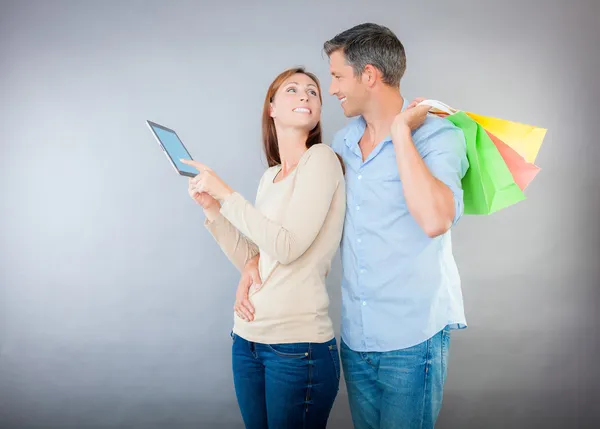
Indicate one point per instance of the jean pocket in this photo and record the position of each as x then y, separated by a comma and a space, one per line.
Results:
233, 336
293, 351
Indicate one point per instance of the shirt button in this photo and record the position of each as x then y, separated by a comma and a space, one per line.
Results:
358, 240
357, 207
359, 177
362, 271
364, 303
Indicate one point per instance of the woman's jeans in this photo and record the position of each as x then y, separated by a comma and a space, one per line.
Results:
285, 386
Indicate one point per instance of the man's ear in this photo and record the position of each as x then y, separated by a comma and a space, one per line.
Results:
370, 75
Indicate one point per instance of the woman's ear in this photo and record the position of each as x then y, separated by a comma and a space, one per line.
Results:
271, 110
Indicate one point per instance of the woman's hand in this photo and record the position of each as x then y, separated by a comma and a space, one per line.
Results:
250, 276
202, 198
208, 181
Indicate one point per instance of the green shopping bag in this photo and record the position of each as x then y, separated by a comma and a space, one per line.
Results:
488, 185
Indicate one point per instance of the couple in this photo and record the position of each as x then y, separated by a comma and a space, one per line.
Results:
389, 189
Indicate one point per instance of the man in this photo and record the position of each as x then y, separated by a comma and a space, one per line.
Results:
401, 293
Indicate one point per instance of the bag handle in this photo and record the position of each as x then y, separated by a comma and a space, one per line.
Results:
438, 105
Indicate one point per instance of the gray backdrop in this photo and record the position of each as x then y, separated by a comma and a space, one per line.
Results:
116, 304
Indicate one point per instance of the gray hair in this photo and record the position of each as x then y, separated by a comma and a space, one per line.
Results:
371, 44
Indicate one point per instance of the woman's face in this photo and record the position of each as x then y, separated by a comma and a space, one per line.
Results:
297, 103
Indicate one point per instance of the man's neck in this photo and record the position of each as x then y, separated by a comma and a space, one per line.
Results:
380, 114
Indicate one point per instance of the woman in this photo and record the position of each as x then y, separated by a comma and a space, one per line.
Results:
285, 361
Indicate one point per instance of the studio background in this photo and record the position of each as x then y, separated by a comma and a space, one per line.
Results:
116, 304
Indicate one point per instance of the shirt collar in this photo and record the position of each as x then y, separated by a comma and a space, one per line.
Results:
356, 131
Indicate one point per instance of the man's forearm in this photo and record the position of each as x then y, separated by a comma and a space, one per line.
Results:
429, 200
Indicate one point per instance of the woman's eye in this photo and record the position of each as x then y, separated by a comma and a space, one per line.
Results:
313, 93
291, 89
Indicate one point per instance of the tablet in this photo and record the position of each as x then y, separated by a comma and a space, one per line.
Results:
173, 149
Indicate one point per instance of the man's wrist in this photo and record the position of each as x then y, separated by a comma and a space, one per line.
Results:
401, 134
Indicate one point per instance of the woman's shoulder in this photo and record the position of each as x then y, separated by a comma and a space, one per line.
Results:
272, 170
323, 157
321, 149
270, 173
321, 152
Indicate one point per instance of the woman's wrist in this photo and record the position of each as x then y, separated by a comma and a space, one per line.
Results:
213, 211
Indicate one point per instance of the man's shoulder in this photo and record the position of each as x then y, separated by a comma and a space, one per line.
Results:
435, 126
439, 135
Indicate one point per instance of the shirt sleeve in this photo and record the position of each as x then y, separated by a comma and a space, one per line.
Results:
317, 179
237, 247
445, 154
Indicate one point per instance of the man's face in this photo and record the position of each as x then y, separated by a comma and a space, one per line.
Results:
347, 87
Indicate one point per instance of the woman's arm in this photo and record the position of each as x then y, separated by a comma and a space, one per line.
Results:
238, 248
235, 246
316, 181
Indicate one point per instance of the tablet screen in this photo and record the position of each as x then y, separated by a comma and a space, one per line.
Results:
175, 148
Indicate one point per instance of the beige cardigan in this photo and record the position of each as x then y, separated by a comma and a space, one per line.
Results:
297, 227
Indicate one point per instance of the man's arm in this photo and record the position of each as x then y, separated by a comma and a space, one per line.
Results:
431, 179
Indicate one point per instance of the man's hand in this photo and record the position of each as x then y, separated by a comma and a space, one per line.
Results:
250, 276
411, 118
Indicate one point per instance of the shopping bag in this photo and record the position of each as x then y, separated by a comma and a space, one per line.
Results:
526, 140
488, 185
522, 171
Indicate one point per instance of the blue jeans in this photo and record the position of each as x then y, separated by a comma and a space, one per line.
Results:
285, 386
397, 389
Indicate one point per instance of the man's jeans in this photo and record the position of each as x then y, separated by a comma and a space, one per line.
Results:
397, 389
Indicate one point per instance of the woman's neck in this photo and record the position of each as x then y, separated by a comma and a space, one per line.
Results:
292, 145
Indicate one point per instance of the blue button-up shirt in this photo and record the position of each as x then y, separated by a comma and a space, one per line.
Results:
399, 286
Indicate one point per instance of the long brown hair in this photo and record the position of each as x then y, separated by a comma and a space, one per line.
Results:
269, 134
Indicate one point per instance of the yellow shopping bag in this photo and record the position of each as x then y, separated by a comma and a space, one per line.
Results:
526, 140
